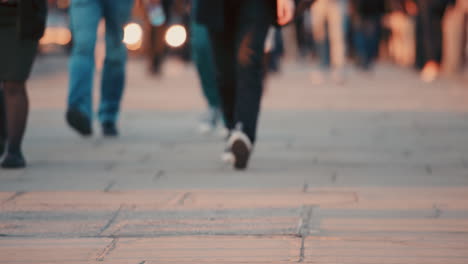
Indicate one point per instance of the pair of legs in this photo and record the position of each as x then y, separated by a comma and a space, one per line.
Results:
366, 39
14, 108
238, 51
328, 27
85, 17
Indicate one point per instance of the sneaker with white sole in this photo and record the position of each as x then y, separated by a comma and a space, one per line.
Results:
241, 147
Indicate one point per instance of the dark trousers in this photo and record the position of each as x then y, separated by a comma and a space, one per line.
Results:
238, 52
429, 32
366, 38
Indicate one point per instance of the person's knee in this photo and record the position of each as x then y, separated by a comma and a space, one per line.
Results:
116, 53
84, 46
247, 55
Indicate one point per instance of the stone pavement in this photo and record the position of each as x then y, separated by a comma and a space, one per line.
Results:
375, 171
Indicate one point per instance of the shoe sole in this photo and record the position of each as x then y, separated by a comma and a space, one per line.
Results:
79, 122
12, 165
241, 154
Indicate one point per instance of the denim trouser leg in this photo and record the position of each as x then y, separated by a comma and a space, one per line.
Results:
84, 19
116, 14
202, 55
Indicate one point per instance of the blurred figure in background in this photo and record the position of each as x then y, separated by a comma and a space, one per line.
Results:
329, 31
238, 29
202, 55
21, 26
429, 37
156, 28
454, 37
85, 16
366, 19
402, 39
274, 50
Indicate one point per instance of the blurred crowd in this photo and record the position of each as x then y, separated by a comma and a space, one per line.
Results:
430, 35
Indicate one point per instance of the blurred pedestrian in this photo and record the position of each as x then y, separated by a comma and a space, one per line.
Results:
156, 26
202, 55
274, 50
366, 19
429, 37
85, 16
402, 40
454, 37
329, 19
238, 29
21, 26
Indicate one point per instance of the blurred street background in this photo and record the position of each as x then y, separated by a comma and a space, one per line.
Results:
371, 169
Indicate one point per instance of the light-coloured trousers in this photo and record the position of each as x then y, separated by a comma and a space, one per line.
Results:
331, 15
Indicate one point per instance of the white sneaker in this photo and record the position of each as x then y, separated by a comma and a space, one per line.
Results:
241, 147
228, 156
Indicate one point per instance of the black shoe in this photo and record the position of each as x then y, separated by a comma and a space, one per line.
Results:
109, 129
241, 147
14, 161
79, 122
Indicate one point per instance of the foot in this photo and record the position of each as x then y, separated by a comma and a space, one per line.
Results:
227, 156
109, 129
241, 147
79, 122
209, 121
430, 72
14, 161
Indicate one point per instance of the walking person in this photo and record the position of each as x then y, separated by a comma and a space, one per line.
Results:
21, 26
238, 29
85, 16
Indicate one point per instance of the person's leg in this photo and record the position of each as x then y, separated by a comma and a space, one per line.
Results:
116, 14
253, 24
359, 43
453, 39
319, 25
336, 25
84, 19
202, 55
224, 56
17, 108
3, 131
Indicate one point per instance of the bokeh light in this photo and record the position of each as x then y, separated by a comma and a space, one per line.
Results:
176, 36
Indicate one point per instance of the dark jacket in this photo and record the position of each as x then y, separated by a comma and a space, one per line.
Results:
211, 12
32, 16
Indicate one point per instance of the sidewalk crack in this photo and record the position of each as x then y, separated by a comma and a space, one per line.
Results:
13, 197
107, 250
111, 221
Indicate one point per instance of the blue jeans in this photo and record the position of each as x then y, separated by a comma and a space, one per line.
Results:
84, 18
202, 55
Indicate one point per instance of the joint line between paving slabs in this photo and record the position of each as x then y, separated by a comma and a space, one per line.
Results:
107, 250
304, 227
110, 185
111, 221
13, 197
